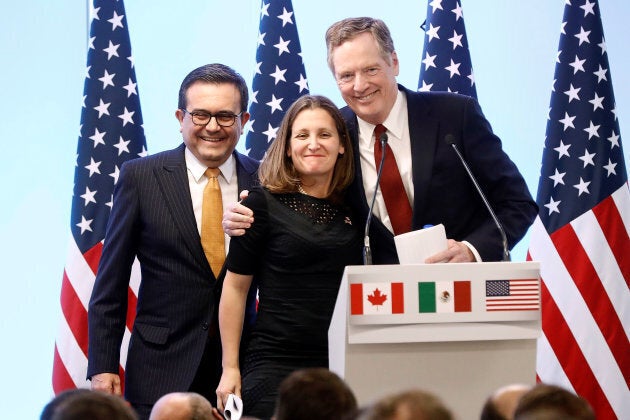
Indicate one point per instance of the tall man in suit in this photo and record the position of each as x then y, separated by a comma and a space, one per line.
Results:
157, 217
363, 60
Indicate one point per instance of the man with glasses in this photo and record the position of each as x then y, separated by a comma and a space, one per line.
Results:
161, 215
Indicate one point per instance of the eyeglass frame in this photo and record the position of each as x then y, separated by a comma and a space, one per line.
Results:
209, 114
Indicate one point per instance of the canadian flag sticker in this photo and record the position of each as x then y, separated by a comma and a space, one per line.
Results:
382, 298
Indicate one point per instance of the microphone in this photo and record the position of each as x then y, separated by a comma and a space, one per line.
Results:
367, 252
450, 140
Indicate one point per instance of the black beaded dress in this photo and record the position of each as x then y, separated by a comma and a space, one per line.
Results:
296, 249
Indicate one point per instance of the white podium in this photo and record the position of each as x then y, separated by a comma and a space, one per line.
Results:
458, 330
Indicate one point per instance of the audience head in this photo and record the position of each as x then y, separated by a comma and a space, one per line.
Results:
182, 406
407, 405
501, 404
313, 394
80, 404
548, 402
49, 409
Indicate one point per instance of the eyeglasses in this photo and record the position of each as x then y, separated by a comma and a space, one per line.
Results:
224, 119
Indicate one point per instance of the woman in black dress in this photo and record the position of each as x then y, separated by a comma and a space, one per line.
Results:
296, 250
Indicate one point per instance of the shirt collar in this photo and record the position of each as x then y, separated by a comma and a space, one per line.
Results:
395, 121
198, 169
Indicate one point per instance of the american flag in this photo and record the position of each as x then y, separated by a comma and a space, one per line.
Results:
110, 133
581, 236
279, 78
446, 64
512, 295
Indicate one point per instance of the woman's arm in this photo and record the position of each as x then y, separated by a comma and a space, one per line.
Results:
231, 316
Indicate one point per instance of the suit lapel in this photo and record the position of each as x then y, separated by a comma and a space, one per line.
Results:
356, 189
173, 181
246, 169
423, 132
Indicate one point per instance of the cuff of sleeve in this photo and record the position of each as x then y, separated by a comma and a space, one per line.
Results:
473, 250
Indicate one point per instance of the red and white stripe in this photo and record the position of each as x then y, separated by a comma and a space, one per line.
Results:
524, 296
70, 358
585, 295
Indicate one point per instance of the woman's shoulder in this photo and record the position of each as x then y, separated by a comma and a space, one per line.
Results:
260, 196
257, 196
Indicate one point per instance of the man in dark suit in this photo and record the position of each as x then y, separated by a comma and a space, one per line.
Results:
364, 63
156, 217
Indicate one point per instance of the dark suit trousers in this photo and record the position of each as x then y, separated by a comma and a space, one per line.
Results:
206, 379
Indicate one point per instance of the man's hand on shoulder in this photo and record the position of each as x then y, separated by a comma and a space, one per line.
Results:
237, 218
106, 382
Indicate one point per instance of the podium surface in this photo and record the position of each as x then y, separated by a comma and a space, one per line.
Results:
459, 331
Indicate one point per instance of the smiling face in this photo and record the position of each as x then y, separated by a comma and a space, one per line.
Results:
366, 79
211, 144
314, 146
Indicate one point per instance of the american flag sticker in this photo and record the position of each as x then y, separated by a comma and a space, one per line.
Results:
512, 295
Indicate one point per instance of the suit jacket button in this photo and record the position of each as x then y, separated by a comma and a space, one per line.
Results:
205, 326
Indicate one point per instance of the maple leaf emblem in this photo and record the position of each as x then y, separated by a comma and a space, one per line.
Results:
377, 298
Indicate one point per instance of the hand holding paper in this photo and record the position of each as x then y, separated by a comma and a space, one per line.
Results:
416, 246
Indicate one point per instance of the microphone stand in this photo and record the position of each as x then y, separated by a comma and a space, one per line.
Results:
367, 251
450, 140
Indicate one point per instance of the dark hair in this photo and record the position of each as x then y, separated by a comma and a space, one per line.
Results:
546, 402
490, 411
350, 28
501, 403
418, 404
49, 409
277, 172
313, 394
214, 73
94, 405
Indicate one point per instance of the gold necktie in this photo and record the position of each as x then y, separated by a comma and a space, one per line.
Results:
212, 237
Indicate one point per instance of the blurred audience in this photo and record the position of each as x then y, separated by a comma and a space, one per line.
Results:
81, 404
318, 393
314, 394
184, 406
49, 409
550, 402
501, 404
413, 404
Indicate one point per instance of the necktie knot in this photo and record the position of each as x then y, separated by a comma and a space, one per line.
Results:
212, 172
378, 131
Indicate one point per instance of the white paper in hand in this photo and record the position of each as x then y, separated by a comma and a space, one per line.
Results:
233, 408
416, 246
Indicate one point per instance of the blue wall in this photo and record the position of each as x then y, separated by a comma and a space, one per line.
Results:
513, 46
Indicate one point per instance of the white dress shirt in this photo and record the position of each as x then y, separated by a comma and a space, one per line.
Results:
397, 125
197, 181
